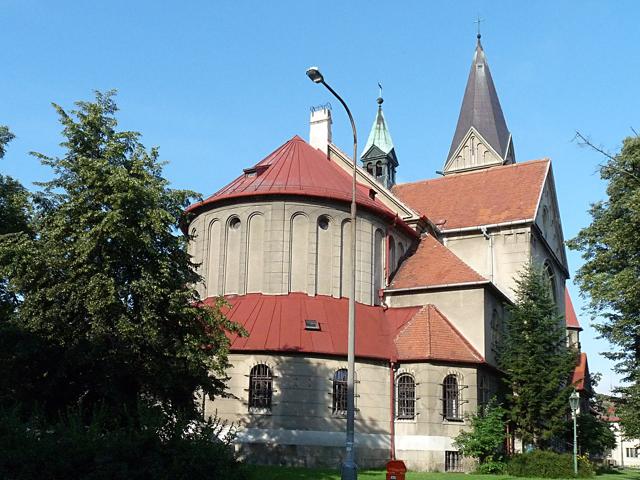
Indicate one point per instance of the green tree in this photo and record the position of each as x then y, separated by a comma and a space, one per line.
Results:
107, 283
14, 217
610, 275
536, 362
486, 435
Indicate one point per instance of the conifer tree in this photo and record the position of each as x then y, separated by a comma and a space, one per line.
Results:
107, 281
610, 276
536, 361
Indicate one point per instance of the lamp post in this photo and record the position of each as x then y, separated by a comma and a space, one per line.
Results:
574, 400
349, 468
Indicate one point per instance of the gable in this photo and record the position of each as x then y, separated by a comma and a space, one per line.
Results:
548, 220
474, 152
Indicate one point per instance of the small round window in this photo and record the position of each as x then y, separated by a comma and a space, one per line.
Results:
323, 222
234, 224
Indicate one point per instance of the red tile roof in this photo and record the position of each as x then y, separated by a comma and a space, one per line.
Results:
569, 313
431, 265
429, 335
296, 168
484, 197
580, 372
276, 324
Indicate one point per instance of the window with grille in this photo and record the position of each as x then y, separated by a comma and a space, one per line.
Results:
451, 398
483, 392
340, 392
406, 395
260, 389
452, 461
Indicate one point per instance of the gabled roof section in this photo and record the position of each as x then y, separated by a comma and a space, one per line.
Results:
379, 134
296, 168
580, 378
430, 336
433, 265
497, 195
481, 109
276, 323
570, 316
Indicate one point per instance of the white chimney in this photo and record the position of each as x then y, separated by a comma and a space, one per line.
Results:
320, 128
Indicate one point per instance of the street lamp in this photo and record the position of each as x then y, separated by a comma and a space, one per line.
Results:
349, 468
574, 400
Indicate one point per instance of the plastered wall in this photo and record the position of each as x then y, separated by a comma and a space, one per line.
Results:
283, 246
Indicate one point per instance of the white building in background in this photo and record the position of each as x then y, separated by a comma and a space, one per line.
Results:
436, 262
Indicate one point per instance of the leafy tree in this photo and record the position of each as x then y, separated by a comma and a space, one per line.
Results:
610, 276
536, 362
486, 436
106, 282
14, 217
5, 137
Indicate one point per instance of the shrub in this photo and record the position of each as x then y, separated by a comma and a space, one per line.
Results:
156, 446
492, 467
546, 464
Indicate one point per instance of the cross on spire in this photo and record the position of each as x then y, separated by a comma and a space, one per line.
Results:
477, 22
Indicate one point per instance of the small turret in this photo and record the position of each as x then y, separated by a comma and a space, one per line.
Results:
379, 155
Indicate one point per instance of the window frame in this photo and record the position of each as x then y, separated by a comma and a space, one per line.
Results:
339, 392
408, 402
260, 389
451, 402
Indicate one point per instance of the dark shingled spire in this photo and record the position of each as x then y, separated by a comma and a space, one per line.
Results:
481, 110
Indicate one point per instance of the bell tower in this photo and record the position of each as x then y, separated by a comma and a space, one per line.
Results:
379, 155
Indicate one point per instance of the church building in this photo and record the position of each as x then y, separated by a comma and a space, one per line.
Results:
436, 263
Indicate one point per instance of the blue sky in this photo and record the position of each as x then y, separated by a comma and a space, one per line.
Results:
218, 85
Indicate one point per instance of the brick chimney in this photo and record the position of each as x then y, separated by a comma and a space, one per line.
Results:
320, 127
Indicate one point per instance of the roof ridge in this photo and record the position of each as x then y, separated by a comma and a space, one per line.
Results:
472, 172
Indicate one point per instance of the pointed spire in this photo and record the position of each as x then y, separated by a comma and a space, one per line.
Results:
480, 111
379, 155
379, 134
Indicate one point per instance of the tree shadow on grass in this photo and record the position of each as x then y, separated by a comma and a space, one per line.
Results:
292, 473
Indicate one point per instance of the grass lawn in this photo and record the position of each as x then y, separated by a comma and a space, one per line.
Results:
285, 473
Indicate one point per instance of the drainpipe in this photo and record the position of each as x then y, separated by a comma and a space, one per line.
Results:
392, 405
483, 229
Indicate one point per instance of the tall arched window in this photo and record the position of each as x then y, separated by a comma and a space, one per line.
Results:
260, 389
378, 169
339, 406
551, 277
406, 394
483, 392
451, 398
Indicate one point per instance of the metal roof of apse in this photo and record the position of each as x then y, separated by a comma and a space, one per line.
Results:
481, 108
296, 168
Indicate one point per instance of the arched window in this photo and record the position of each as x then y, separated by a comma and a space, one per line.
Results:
260, 389
378, 169
451, 398
483, 392
551, 277
406, 393
370, 168
340, 392
496, 331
